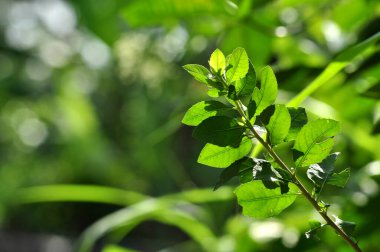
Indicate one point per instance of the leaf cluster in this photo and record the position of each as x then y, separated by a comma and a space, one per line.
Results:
244, 114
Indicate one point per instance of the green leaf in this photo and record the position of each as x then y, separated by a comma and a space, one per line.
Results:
321, 173
237, 65
314, 227
245, 86
259, 202
264, 171
265, 94
222, 157
298, 120
278, 124
241, 167
219, 130
341, 61
200, 73
348, 227
314, 142
339, 179
217, 62
206, 109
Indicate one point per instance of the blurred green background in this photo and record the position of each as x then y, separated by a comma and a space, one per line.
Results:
93, 156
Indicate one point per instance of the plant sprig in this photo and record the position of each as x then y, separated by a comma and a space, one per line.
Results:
228, 125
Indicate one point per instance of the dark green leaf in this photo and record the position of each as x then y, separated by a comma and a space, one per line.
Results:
245, 86
270, 177
222, 157
217, 62
237, 65
372, 92
314, 142
239, 168
200, 73
348, 227
278, 124
206, 109
376, 128
251, 109
314, 227
259, 202
265, 94
219, 130
298, 120
323, 173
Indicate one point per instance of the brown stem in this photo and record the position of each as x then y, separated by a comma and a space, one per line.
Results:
297, 182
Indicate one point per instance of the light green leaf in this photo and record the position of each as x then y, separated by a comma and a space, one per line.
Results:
339, 179
200, 73
314, 142
341, 61
219, 130
237, 65
217, 61
265, 94
245, 86
206, 109
278, 125
259, 202
298, 120
222, 157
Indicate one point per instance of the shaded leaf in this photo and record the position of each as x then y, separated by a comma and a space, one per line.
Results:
200, 73
348, 227
376, 128
241, 167
278, 124
339, 179
222, 157
270, 177
323, 173
217, 61
265, 94
372, 92
206, 109
298, 120
314, 143
237, 65
259, 202
219, 130
314, 227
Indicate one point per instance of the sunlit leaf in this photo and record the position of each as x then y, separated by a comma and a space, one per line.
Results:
206, 109
314, 142
259, 202
217, 61
245, 86
265, 93
222, 157
219, 130
237, 65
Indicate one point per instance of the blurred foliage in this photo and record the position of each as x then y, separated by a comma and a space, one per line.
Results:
92, 93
